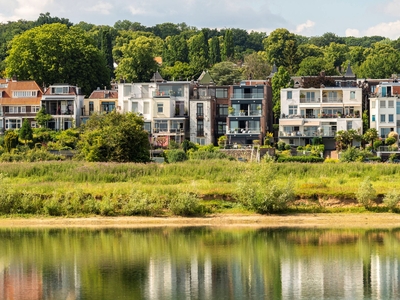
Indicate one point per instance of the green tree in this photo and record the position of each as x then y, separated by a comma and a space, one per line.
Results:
335, 54
10, 140
198, 52
137, 63
371, 135
26, 133
225, 73
42, 117
175, 49
114, 137
312, 66
256, 66
178, 71
344, 138
281, 47
229, 47
279, 81
382, 61
54, 53
215, 51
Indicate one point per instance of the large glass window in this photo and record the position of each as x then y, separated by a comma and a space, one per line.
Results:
200, 128
199, 109
222, 110
384, 132
383, 118
398, 107
373, 118
391, 118
382, 104
13, 123
91, 107
221, 127
222, 93
390, 104
135, 107
289, 95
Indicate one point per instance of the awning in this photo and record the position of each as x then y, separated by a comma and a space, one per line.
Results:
312, 124
291, 122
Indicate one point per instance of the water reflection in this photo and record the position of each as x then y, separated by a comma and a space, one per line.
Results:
199, 263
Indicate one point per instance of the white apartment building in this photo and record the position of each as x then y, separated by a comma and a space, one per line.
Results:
319, 112
385, 108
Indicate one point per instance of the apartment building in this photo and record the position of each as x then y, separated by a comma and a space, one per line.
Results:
319, 112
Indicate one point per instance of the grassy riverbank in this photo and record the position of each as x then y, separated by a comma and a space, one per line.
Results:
76, 188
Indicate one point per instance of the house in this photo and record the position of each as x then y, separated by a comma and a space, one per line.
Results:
209, 109
250, 112
19, 100
319, 112
163, 104
385, 108
100, 102
64, 103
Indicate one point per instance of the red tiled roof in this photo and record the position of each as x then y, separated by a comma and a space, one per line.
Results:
101, 94
7, 92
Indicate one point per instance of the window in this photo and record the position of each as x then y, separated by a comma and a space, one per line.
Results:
310, 96
373, 118
135, 107
391, 118
221, 127
398, 108
160, 108
91, 107
372, 104
349, 125
24, 94
60, 90
16, 109
147, 126
222, 110
289, 95
33, 125
390, 104
107, 106
199, 110
352, 95
35, 109
383, 118
200, 128
146, 107
13, 123
222, 93
382, 104
201, 141
384, 132
292, 109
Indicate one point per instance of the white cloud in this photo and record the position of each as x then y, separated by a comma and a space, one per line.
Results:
136, 11
352, 32
305, 26
390, 30
103, 8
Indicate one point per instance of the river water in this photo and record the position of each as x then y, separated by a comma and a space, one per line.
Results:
199, 263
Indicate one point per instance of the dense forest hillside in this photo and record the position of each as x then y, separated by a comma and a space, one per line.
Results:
127, 51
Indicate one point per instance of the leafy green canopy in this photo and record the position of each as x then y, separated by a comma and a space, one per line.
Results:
114, 137
54, 53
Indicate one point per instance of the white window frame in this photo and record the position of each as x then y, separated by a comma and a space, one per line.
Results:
24, 94
160, 108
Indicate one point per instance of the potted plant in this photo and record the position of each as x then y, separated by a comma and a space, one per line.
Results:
259, 109
242, 112
231, 110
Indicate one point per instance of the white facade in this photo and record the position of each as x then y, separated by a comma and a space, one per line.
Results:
163, 105
385, 109
319, 112
64, 103
200, 121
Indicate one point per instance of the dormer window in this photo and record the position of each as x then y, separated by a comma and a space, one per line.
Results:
24, 94
59, 90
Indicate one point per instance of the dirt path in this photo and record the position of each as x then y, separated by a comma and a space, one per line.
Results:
362, 220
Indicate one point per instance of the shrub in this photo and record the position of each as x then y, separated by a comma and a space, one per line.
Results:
391, 199
331, 160
352, 154
140, 203
377, 144
390, 141
265, 198
185, 204
302, 159
175, 155
366, 193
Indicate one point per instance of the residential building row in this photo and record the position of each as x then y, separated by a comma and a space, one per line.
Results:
201, 111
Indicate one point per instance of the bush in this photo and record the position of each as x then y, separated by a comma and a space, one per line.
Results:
302, 159
185, 204
331, 160
377, 144
352, 154
391, 199
390, 141
141, 203
265, 198
366, 193
175, 155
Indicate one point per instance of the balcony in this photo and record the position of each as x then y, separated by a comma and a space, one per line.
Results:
332, 100
247, 96
308, 133
243, 131
176, 131
310, 100
244, 113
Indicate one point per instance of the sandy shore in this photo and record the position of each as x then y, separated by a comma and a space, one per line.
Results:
364, 220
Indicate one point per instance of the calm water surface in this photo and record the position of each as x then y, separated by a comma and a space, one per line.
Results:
199, 263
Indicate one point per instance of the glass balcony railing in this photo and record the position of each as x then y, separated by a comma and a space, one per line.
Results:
243, 131
247, 95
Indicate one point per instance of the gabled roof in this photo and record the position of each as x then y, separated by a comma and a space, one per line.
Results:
7, 87
205, 78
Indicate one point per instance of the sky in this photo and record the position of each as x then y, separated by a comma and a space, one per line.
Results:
306, 17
